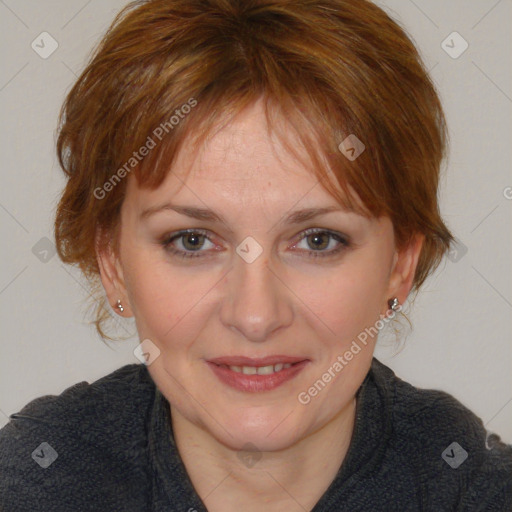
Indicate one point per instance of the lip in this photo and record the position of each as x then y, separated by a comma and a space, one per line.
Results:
256, 383
260, 361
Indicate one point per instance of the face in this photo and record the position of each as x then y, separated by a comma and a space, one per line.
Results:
248, 283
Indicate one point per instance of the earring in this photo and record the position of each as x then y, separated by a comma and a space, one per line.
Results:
394, 304
119, 306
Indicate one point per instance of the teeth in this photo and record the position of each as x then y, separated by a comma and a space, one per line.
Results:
259, 370
265, 370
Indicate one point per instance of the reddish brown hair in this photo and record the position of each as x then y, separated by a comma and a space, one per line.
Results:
329, 67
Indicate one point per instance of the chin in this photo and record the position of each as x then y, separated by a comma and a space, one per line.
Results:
257, 442
258, 432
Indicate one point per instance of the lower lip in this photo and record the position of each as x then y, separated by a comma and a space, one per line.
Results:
256, 383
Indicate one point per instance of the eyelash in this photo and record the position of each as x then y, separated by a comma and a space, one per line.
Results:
343, 243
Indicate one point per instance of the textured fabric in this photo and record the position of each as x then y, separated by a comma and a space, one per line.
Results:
115, 451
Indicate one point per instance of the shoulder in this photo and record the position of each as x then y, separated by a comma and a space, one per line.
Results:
445, 446
85, 409
95, 431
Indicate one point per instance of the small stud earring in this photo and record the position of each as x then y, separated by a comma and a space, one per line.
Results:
394, 304
119, 306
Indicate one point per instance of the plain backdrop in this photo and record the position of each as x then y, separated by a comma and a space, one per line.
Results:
461, 341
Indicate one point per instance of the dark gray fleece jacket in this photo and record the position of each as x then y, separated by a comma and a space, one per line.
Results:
108, 446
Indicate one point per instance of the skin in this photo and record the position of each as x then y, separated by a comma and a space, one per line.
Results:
285, 302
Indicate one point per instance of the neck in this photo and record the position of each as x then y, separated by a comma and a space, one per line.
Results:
295, 477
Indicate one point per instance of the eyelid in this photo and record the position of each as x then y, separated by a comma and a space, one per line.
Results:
311, 231
344, 242
168, 238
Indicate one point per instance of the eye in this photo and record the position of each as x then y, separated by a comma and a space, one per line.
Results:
188, 243
191, 242
317, 242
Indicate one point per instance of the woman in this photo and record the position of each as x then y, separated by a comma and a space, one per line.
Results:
255, 183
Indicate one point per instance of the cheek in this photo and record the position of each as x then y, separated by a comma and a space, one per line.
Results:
349, 299
166, 299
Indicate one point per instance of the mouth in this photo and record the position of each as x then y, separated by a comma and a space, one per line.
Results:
256, 375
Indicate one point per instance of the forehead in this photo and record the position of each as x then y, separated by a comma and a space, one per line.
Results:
243, 158
244, 175
245, 150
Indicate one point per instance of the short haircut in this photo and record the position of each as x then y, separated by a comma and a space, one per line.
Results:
167, 70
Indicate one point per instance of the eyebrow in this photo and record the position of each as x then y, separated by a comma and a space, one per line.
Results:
204, 214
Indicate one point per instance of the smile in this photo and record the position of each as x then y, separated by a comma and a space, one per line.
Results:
259, 370
256, 378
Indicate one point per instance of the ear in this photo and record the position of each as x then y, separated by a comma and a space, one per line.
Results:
404, 267
111, 274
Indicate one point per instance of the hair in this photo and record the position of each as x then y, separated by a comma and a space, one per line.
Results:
171, 70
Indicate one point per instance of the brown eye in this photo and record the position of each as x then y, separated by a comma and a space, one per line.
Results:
318, 242
188, 244
193, 241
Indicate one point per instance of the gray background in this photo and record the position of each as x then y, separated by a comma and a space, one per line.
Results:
461, 341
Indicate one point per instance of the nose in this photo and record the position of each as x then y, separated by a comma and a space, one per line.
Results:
257, 301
